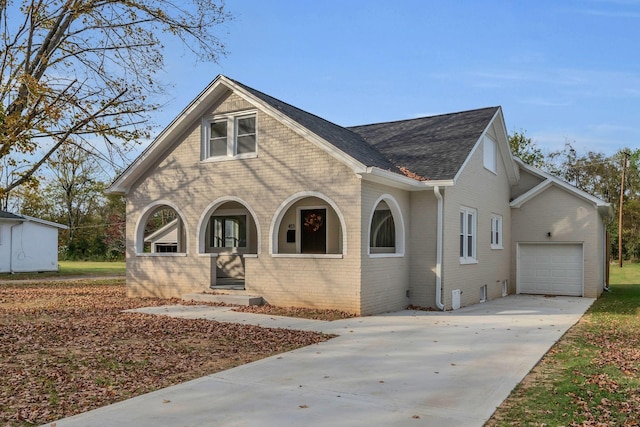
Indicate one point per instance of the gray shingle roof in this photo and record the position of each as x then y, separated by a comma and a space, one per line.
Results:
342, 138
431, 147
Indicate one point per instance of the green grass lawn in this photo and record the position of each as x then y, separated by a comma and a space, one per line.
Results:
73, 268
592, 375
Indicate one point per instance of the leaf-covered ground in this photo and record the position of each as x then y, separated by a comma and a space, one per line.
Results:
305, 313
66, 348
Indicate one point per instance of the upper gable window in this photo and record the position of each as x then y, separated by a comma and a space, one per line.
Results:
232, 136
490, 154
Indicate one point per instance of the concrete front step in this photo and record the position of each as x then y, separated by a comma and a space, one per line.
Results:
225, 299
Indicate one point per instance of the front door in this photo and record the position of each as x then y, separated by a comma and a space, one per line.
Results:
313, 234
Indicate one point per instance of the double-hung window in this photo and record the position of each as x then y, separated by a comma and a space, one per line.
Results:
496, 231
229, 231
230, 136
468, 235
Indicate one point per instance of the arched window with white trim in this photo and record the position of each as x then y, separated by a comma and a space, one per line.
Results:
386, 228
229, 225
161, 230
382, 236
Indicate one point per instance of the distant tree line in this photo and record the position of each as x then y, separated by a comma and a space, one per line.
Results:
71, 192
597, 174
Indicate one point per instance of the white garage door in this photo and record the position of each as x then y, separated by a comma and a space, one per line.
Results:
550, 269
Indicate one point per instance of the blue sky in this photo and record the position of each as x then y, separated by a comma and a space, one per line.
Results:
562, 70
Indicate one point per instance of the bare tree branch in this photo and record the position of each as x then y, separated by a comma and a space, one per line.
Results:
66, 66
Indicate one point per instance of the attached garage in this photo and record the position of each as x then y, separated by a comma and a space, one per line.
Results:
550, 268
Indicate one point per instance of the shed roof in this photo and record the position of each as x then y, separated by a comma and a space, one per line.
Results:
24, 218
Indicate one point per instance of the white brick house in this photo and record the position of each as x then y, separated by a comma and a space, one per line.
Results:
283, 204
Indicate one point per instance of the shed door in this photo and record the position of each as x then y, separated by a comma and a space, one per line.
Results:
550, 269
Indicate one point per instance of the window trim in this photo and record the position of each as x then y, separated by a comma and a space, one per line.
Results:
496, 220
464, 232
398, 220
232, 136
142, 221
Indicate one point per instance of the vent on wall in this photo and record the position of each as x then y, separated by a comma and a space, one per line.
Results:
455, 299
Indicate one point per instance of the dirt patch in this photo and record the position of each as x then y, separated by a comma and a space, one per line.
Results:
66, 348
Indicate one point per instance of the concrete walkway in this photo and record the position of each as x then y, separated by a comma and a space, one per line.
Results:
402, 369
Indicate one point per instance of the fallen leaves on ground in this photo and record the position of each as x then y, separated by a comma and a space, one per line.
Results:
66, 348
305, 313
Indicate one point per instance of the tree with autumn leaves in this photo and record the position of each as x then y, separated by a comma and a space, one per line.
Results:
80, 77
83, 73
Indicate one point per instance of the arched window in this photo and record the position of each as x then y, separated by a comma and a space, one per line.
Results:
161, 230
382, 237
386, 228
229, 225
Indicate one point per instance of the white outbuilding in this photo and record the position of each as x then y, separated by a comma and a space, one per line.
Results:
28, 244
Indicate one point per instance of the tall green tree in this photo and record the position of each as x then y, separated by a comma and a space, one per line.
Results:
86, 71
526, 149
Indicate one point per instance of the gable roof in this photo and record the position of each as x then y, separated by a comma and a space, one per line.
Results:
342, 138
412, 154
603, 207
433, 147
24, 218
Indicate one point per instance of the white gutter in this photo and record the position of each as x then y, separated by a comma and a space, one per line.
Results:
396, 180
439, 304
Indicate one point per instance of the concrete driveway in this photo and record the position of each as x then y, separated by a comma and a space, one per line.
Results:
401, 369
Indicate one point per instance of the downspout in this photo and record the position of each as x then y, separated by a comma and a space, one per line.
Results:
439, 232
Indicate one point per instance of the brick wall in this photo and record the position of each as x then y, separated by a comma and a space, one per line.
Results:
569, 219
286, 164
488, 193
